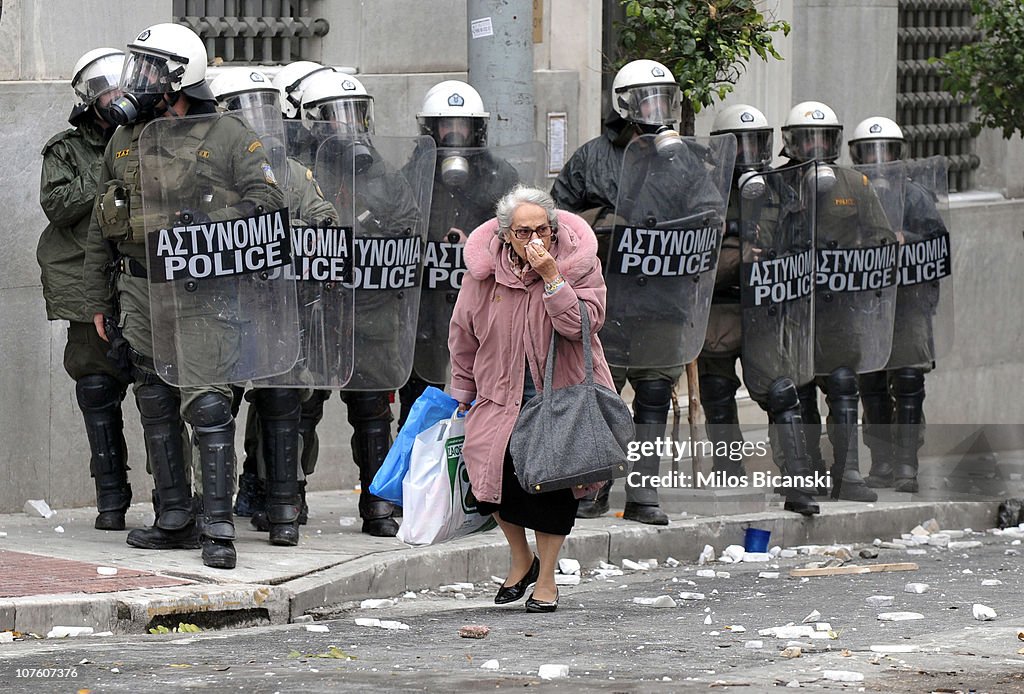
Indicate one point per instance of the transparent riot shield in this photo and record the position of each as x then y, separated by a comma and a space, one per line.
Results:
663, 254
389, 202
216, 232
777, 277
857, 255
924, 300
467, 185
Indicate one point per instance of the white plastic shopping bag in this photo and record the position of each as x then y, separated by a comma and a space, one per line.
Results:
439, 505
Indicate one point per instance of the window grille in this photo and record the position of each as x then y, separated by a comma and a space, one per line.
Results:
267, 32
933, 122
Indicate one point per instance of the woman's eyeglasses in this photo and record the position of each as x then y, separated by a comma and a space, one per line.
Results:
524, 233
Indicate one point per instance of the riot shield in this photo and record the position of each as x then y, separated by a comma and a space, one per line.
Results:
389, 202
216, 230
857, 255
467, 185
660, 269
777, 277
924, 298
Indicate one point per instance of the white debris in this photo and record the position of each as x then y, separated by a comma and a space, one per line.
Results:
38, 508
498, 579
939, 540
651, 563
894, 648
2, 534
552, 671
842, 676
991, 582
691, 596
917, 588
790, 631
605, 565
705, 573
346, 521
753, 644
707, 620
822, 626
812, 617
59, 529
788, 553
634, 565
376, 604
965, 544
931, 525
917, 551
567, 579
671, 563
381, 623
736, 628
775, 551
106, 570
303, 619
568, 566
793, 684
756, 557
461, 596
6, 637
318, 628
732, 554
714, 591
722, 574
983, 613
60, 632
899, 616
412, 596
456, 587
967, 571
607, 573
706, 555
768, 574
920, 540
491, 665
792, 652
1011, 552
919, 531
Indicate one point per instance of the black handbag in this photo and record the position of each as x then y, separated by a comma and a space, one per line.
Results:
572, 436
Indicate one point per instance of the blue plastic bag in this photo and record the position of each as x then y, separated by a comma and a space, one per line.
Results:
430, 408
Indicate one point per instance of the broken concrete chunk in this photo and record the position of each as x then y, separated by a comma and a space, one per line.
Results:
917, 551
918, 530
917, 588
842, 676
939, 540
567, 579
983, 613
756, 557
318, 628
788, 553
663, 601
868, 553
753, 644
705, 573
931, 525
894, 648
791, 652
706, 555
736, 628
707, 620
38, 508
491, 665
376, 604
963, 544
671, 563
474, 631
106, 570
732, 554
768, 574
568, 566
380, 623
790, 631
991, 582
60, 632
812, 617
553, 671
634, 566
691, 596
899, 616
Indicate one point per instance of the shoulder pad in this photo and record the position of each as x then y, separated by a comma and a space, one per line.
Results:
62, 135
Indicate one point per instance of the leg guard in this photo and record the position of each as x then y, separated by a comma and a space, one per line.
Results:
842, 396
158, 405
718, 398
787, 434
908, 385
210, 416
650, 413
878, 431
279, 418
312, 411
99, 396
369, 413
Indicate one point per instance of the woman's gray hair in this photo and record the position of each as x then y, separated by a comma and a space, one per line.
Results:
519, 195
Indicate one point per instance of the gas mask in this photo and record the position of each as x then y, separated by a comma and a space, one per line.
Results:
667, 141
454, 170
362, 158
133, 108
751, 185
823, 177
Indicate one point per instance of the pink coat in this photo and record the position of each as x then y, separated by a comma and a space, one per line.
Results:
501, 323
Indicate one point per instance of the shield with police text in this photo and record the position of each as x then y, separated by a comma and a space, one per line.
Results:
468, 182
923, 328
777, 276
857, 256
216, 228
660, 269
388, 200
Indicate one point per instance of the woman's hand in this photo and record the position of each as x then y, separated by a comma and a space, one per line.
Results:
464, 407
541, 261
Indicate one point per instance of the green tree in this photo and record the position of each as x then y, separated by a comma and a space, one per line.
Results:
989, 74
705, 43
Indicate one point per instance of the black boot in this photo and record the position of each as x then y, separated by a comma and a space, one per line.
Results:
369, 413
99, 396
650, 415
878, 430
842, 400
808, 394
596, 507
312, 413
210, 416
279, 418
787, 433
718, 398
174, 526
908, 384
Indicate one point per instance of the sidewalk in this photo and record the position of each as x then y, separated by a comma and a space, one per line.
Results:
49, 577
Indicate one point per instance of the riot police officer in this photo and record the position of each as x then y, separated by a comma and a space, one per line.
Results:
645, 101
225, 172
893, 398
469, 179
67, 191
848, 324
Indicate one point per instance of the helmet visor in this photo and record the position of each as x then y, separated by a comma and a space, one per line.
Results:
455, 131
145, 73
98, 77
817, 143
655, 104
349, 116
875, 151
753, 149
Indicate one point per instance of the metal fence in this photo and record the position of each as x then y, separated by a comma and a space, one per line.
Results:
266, 32
933, 122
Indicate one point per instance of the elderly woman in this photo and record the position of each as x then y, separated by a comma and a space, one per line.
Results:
527, 271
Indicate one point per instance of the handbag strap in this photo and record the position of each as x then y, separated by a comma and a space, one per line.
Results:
588, 354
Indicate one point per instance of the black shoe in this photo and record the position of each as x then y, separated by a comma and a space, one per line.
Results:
284, 534
259, 521
380, 527
642, 513
880, 476
219, 554
905, 484
533, 605
507, 594
802, 503
857, 491
158, 538
110, 520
